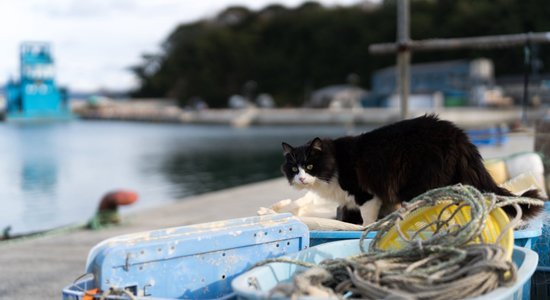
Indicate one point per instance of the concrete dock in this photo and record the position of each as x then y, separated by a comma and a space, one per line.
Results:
160, 111
41, 267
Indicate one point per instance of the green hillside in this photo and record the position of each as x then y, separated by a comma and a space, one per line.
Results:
290, 52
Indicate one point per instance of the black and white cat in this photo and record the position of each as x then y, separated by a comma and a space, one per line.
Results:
377, 170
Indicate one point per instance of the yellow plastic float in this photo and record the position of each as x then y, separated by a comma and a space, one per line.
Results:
423, 220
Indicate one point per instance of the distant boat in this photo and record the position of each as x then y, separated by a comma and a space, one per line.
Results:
36, 95
491, 136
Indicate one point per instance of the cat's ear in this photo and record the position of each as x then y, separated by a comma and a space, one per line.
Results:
316, 144
287, 148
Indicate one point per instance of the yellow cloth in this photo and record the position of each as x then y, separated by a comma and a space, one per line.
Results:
497, 169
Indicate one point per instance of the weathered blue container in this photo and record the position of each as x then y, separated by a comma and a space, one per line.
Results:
189, 262
256, 283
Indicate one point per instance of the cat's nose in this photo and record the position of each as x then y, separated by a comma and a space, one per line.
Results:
302, 179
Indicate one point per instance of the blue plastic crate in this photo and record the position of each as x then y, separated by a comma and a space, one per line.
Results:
523, 238
322, 237
542, 244
256, 283
189, 262
527, 237
540, 285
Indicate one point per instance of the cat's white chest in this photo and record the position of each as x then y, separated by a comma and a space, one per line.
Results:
332, 191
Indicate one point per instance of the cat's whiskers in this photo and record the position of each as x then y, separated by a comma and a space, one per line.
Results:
303, 180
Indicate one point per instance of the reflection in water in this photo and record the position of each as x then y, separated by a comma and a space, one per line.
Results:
38, 183
39, 176
195, 173
38, 147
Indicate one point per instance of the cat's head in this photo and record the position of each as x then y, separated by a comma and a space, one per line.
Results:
309, 164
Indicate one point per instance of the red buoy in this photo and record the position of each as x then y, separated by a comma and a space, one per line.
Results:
115, 198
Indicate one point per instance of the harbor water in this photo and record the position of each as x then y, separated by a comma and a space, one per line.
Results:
54, 174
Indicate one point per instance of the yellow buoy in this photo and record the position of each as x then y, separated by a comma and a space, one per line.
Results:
423, 222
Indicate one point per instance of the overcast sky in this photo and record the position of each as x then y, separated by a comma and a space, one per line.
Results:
94, 41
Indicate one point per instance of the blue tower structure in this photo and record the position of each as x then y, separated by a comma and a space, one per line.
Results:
36, 96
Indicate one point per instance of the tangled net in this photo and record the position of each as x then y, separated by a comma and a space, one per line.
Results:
447, 265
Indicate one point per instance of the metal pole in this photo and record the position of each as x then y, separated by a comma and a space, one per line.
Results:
403, 55
479, 42
526, 71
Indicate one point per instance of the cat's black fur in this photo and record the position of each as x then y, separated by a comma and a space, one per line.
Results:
397, 162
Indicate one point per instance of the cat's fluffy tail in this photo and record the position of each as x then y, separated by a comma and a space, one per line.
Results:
528, 211
531, 211
472, 171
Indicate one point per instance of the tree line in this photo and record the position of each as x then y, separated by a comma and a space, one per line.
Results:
288, 52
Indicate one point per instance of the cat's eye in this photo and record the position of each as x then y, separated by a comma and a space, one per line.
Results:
294, 169
309, 167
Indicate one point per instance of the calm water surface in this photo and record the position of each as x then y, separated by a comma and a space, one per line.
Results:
55, 174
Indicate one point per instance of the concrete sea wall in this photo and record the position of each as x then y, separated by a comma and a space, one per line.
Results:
161, 112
